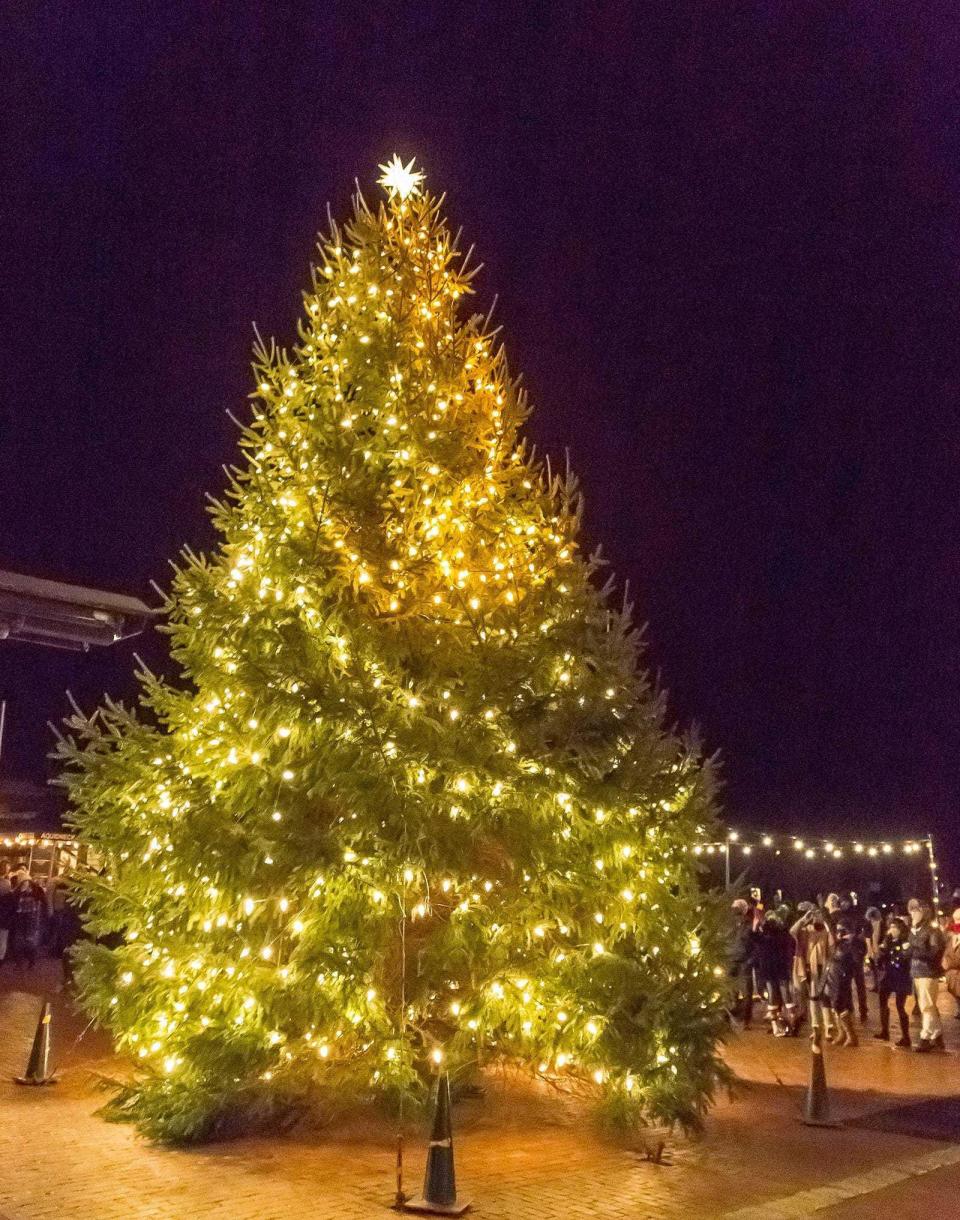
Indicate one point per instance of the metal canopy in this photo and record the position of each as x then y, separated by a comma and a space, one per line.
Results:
66, 616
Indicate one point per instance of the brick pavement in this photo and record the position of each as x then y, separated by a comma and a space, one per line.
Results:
517, 1155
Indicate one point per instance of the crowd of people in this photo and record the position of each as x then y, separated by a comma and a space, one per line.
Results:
815, 962
35, 918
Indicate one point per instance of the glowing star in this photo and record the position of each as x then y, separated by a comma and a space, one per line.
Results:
400, 179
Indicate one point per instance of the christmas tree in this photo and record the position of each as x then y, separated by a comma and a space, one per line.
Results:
412, 799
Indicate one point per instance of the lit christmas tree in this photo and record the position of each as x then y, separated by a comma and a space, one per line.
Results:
413, 800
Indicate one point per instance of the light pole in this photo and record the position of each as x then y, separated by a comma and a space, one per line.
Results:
934, 878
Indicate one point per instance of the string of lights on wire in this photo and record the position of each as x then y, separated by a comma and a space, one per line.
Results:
807, 849
815, 848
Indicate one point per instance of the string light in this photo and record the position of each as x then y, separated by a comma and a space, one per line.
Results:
827, 846
830, 850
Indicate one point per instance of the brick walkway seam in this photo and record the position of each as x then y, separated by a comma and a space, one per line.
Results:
806, 1202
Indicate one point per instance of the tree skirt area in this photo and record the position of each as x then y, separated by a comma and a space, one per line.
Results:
520, 1151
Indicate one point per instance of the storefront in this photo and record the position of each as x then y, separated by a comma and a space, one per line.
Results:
44, 855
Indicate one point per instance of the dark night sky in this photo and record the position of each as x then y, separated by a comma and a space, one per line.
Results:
724, 238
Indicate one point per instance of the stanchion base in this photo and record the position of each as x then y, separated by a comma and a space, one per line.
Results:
34, 1083
425, 1208
820, 1122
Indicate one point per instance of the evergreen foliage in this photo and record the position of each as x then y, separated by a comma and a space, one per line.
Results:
414, 795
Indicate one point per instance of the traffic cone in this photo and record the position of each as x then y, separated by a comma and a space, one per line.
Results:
816, 1111
38, 1065
439, 1196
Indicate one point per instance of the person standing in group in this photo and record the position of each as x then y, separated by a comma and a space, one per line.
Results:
839, 981
775, 950
859, 931
741, 959
814, 941
874, 935
951, 958
892, 967
57, 909
799, 980
27, 922
927, 945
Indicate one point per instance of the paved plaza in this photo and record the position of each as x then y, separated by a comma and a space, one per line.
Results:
517, 1157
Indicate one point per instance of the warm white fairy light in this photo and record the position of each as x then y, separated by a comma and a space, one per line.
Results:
910, 847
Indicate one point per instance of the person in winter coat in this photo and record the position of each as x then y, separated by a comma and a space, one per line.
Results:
798, 976
28, 922
740, 959
831, 910
951, 958
860, 930
860, 953
57, 917
775, 949
839, 982
874, 936
892, 966
927, 945
814, 940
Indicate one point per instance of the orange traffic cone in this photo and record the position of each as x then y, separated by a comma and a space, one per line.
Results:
816, 1111
439, 1196
38, 1065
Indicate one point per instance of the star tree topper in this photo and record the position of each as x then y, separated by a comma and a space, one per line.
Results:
399, 179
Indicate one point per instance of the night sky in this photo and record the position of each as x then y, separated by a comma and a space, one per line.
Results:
724, 237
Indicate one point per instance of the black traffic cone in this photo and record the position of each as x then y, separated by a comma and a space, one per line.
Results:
439, 1196
816, 1110
38, 1065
